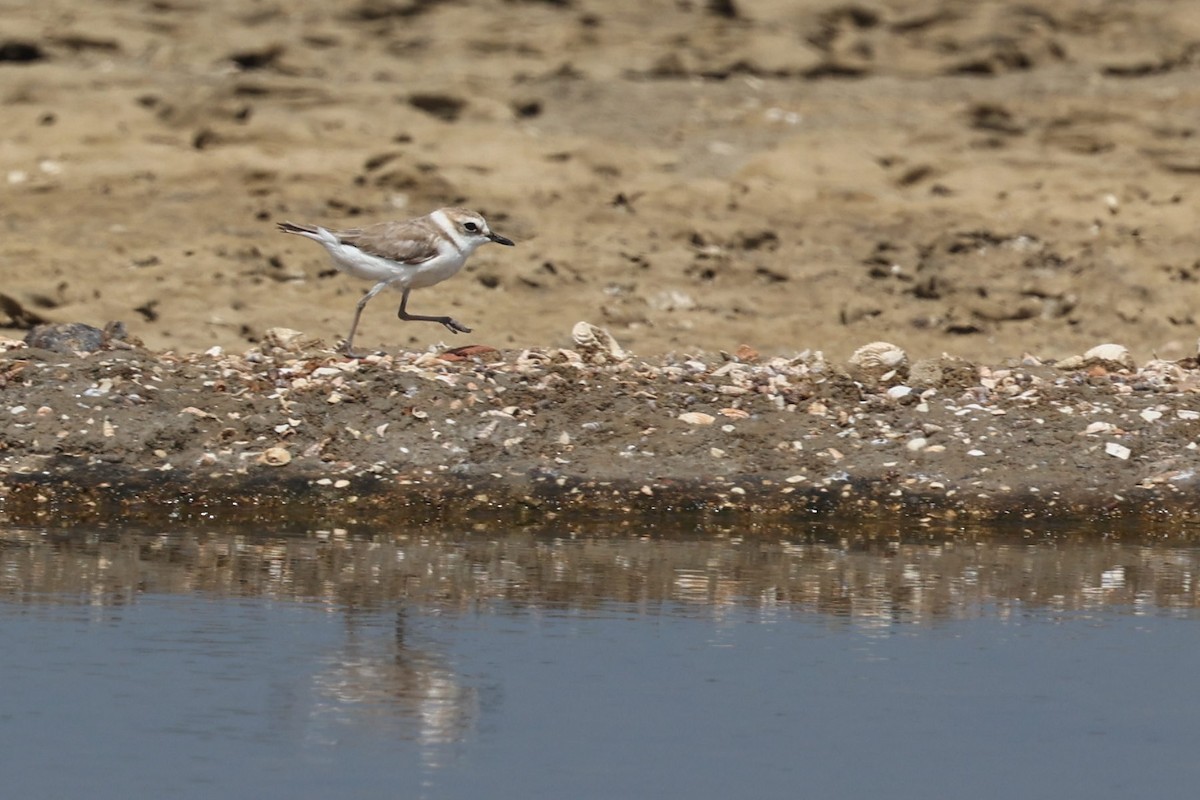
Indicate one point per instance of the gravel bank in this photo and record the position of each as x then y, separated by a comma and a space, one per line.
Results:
291, 432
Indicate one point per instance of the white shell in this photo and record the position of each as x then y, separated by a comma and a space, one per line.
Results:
596, 344
697, 418
1109, 356
879, 357
1117, 450
1110, 353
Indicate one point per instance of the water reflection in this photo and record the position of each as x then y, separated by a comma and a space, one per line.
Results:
863, 582
384, 657
394, 687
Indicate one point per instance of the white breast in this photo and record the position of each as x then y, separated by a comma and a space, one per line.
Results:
436, 270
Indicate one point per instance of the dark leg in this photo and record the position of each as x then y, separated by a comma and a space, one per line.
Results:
454, 325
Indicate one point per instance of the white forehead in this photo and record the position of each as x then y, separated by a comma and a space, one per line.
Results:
461, 215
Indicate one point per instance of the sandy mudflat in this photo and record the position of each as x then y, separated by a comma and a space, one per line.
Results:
1005, 183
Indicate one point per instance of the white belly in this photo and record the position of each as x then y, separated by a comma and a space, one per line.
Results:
398, 275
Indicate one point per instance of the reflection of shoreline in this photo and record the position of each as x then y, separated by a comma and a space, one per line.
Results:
879, 582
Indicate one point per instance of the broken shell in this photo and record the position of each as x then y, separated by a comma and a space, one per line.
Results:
531, 358
1117, 450
596, 344
286, 339
1110, 356
746, 353
275, 457
281, 337
466, 352
697, 418
878, 358
1160, 372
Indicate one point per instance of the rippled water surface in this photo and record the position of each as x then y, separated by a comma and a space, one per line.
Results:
217, 664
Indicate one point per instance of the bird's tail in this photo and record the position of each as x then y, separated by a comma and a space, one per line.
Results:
303, 230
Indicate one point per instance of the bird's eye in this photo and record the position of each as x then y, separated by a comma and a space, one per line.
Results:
471, 226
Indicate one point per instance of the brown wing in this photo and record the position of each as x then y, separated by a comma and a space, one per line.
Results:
408, 241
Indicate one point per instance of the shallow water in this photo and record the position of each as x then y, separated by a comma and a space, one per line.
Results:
208, 663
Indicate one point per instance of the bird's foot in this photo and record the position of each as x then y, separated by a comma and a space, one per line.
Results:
349, 352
